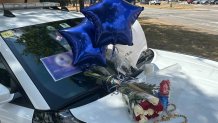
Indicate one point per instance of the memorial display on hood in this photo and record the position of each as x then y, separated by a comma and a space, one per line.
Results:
110, 22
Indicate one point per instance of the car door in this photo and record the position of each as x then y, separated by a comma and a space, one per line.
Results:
20, 109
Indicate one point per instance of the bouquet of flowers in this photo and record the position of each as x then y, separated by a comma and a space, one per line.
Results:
145, 101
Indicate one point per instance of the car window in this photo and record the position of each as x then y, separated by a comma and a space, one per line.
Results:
32, 43
8, 79
5, 77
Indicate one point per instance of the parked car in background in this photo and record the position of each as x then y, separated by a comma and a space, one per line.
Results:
204, 2
144, 1
213, 1
154, 2
196, 2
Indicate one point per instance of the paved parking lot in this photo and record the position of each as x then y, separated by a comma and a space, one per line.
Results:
203, 18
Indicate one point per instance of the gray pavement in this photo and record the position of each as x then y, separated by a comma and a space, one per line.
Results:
204, 19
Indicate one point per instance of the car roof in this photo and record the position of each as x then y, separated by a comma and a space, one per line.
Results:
29, 17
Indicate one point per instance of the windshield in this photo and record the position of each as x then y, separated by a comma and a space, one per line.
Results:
31, 44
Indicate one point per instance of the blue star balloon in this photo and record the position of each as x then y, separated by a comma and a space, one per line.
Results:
80, 39
113, 20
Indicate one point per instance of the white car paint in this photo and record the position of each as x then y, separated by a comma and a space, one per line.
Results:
194, 91
109, 109
5, 95
10, 113
33, 17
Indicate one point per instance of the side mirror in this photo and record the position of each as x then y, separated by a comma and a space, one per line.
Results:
5, 95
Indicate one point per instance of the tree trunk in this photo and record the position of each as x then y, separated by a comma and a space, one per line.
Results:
81, 4
25, 1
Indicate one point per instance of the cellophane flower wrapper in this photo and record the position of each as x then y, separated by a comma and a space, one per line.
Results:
142, 104
175, 75
121, 64
134, 98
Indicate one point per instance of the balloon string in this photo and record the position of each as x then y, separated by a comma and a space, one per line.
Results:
114, 50
171, 115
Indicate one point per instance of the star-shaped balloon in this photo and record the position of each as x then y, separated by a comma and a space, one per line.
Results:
112, 20
80, 39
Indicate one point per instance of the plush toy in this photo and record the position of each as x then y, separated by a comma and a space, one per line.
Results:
163, 94
164, 88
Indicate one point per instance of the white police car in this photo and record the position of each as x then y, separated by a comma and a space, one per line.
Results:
29, 94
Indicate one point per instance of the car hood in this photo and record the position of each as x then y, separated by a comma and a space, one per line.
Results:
194, 84
109, 109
